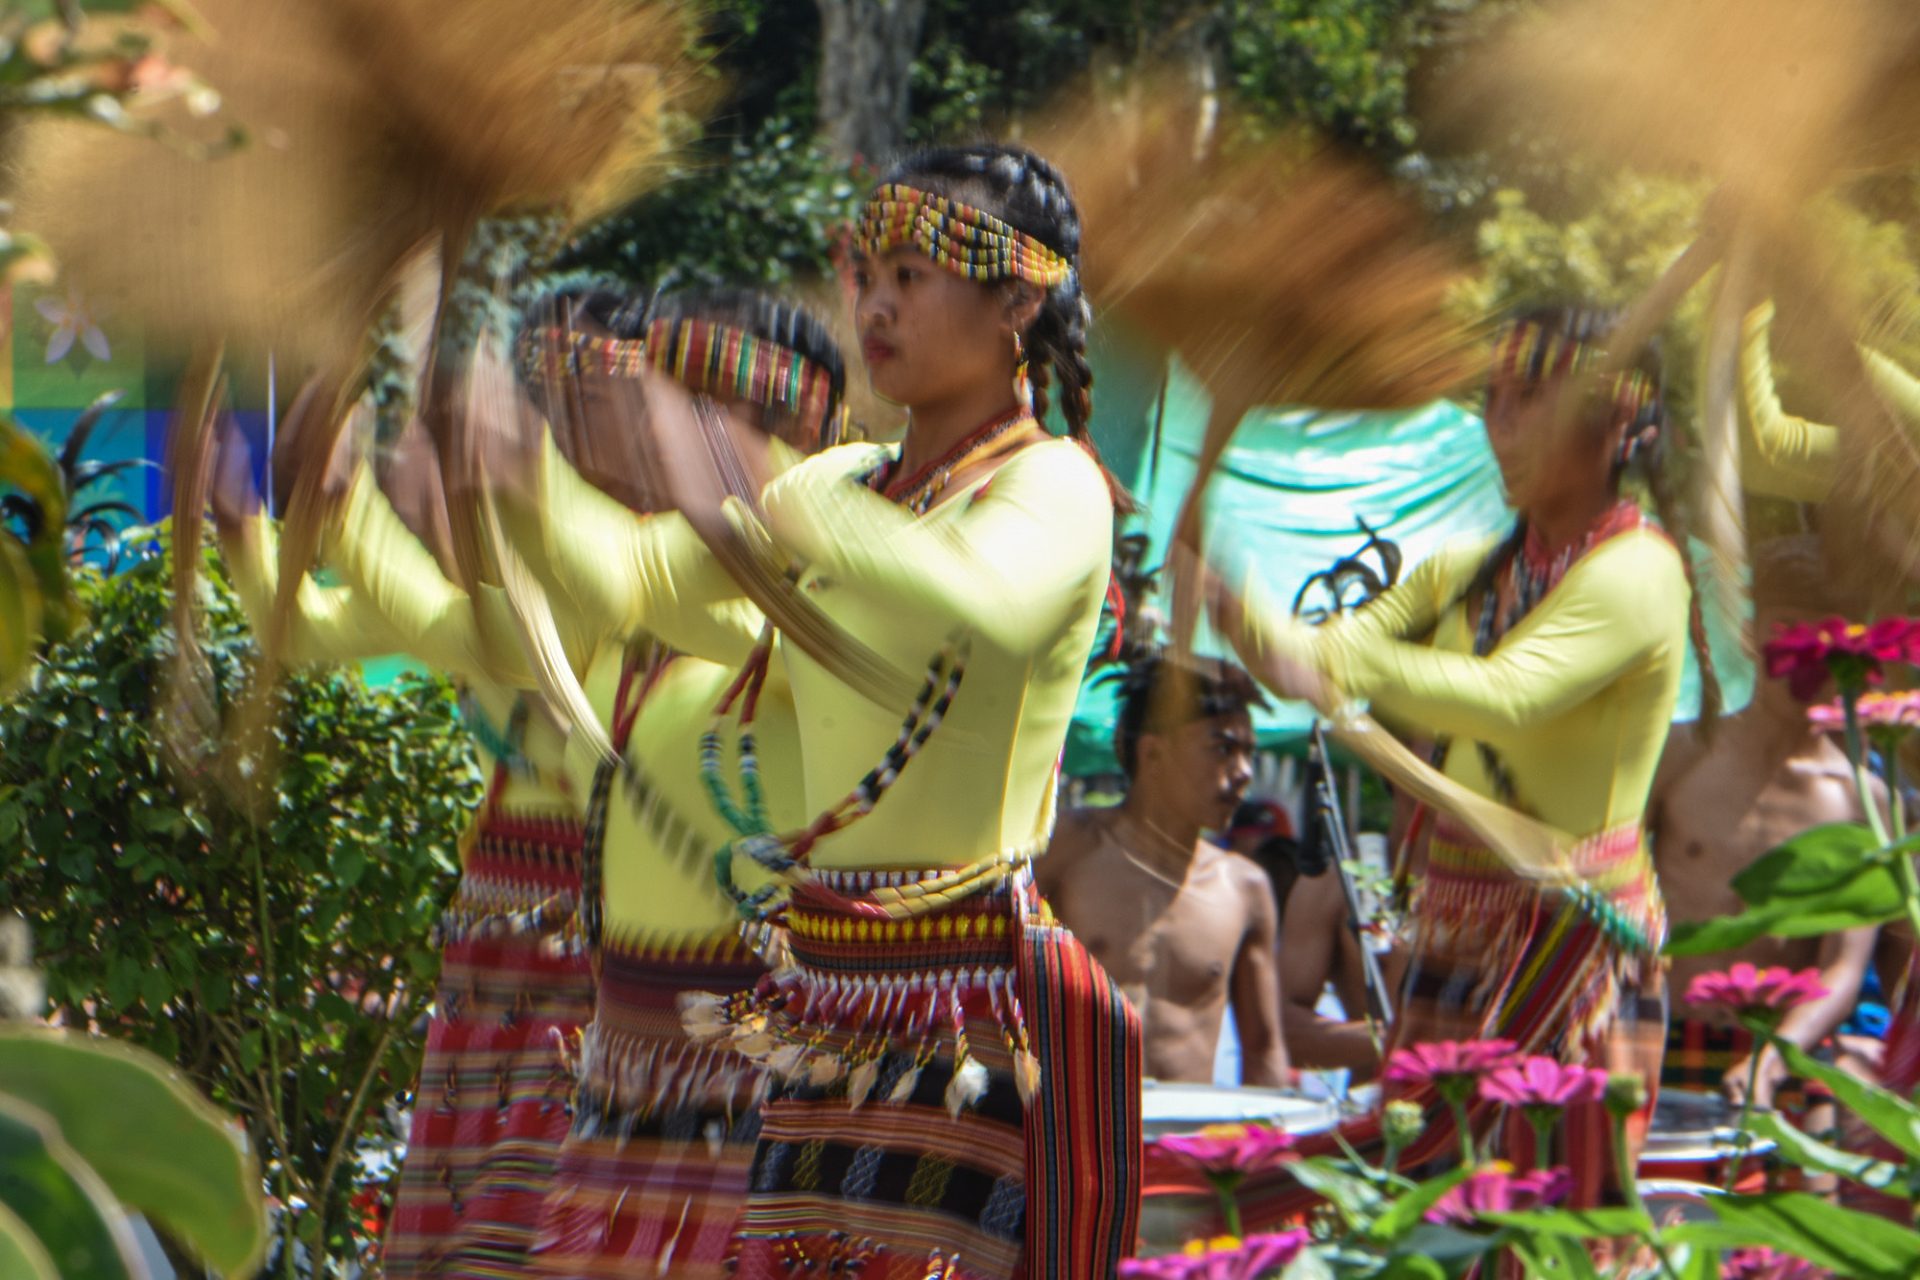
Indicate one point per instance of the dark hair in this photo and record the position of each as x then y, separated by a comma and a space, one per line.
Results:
1793, 570
1642, 457
1025, 191
766, 317
1160, 694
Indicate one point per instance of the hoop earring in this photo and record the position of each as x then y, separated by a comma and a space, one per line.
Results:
1022, 384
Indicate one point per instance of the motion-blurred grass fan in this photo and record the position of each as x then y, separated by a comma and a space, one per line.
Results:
373, 127
1775, 102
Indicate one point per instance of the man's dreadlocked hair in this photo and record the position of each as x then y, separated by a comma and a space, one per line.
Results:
1029, 194
1160, 693
1642, 456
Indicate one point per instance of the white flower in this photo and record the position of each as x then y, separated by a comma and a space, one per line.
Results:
71, 318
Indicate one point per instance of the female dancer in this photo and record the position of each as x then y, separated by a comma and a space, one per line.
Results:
1547, 672
483, 1215
925, 1004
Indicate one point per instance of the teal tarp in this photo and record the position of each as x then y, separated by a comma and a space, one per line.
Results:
1289, 495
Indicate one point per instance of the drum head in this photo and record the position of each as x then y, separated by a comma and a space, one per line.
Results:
1186, 1108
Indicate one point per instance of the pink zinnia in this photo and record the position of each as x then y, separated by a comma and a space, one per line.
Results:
1761, 1263
1805, 654
1544, 1083
1497, 1189
1249, 1259
1229, 1148
1876, 711
1447, 1059
1765, 994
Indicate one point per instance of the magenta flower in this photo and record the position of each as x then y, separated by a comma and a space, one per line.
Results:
1761, 1263
1224, 1258
1763, 995
1448, 1060
1544, 1082
1805, 654
1229, 1148
1498, 1189
1876, 711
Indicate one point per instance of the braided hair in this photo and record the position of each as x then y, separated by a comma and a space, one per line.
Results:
1642, 458
1028, 193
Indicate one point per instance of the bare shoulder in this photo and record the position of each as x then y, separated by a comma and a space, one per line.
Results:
1076, 834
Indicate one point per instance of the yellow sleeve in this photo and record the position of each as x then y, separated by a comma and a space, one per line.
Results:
1780, 455
396, 578
1407, 611
328, 624
630, 573
1615, 607
1005, 567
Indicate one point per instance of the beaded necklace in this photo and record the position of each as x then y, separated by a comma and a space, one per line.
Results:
919, 491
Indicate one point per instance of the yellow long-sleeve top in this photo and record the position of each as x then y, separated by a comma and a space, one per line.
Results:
1790, 457
1575, 699
662, 830
394, 599
1018, 563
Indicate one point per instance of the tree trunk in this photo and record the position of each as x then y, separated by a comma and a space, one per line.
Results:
866, 65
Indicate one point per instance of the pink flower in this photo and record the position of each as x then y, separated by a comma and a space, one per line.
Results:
1761, 1263
1229, 1148
1805, 654
1448, 1059
1497, 1189
1763, 994
1544, 1082
1224, 1258
1876, 711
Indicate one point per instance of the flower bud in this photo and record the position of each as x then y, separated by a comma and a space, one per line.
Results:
1626, 1094
1402, 1122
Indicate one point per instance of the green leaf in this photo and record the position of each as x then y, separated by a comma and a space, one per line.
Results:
1577, 1224
1888, 1114
1845, 1241
21, 1253
1354, 1196
1817, 859
61, 1201
1411, 1208
1870, 894
1819, 1157
1412, 1266
158, 1145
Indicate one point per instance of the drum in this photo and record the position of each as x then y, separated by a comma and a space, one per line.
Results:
1694, 1139
1188, 1108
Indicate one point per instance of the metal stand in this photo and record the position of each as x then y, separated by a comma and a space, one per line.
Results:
1325, 803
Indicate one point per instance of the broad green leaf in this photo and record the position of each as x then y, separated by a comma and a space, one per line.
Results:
1817, 859
1889, 1115
1413, 1266
21, 1253
1870, 894
61, 1201
1411, 1207
1845, 1241
1577, 1224
1820, 1157
158, 1145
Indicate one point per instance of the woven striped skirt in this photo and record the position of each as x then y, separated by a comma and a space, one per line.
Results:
490, 1110
653, 1174
957, 1096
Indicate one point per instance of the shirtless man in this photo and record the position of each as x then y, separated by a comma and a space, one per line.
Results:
1767, 775
1180, 923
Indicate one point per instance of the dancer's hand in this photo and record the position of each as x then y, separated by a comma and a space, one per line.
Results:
1773, 1074
1236, 616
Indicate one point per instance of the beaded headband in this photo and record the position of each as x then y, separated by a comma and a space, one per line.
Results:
1534, 351
966, 241
701, 354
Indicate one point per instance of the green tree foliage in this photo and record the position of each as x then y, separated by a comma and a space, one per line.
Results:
280, 957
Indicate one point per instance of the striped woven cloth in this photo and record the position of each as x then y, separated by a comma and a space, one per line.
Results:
490, 1110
